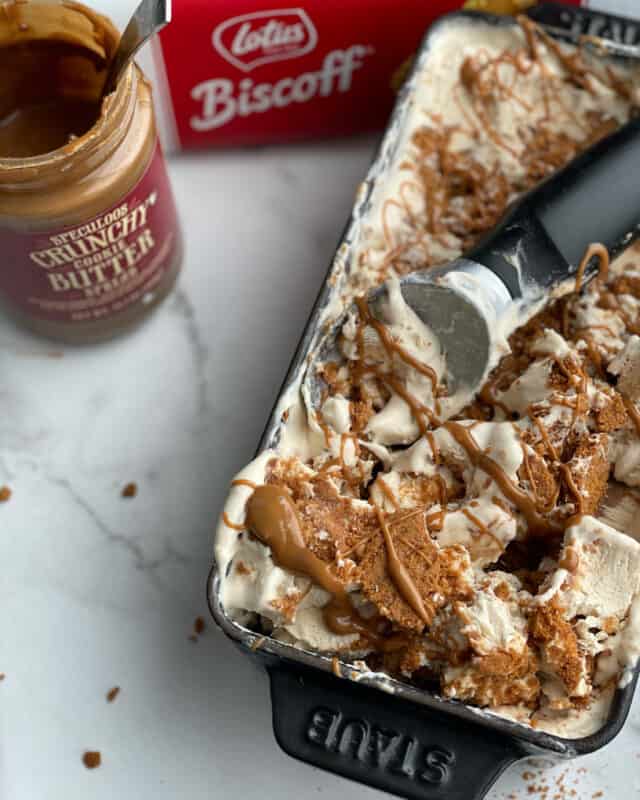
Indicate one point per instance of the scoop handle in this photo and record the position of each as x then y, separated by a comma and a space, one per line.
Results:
595, 199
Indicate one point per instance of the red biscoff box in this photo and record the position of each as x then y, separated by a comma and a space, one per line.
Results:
242, 72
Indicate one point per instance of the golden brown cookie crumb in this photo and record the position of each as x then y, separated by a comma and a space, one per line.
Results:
91, 759
555, 635
5, 494
288, 605
130, 490
199, 626
501, 678
112, 694
612, 415
588, 473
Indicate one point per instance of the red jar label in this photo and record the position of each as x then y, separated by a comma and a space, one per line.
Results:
98, 269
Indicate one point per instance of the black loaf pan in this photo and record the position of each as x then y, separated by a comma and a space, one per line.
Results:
366, 726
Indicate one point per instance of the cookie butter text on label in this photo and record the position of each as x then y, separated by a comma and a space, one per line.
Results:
99, 253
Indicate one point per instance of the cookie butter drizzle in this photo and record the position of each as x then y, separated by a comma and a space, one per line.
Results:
600, 252
487, 191
537, 523
272, 518
400, 575
360, 369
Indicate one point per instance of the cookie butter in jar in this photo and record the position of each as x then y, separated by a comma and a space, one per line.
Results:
89, 235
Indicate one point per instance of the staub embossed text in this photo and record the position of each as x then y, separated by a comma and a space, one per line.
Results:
378, 747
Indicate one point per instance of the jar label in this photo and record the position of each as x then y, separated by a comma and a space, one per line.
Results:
100, 268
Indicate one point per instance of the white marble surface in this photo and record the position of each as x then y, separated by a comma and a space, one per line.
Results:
97, 591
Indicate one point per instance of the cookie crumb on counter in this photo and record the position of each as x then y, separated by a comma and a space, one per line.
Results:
112, 694
130, 490
2, 676
5, 494
199, 626
91, 759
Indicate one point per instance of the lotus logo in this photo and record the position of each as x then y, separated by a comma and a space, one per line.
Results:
265, 36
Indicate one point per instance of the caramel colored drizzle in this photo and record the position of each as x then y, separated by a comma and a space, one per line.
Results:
359, 370
566, 472
595, 250
497, 501
387, 492
418, 409
272, 517
243, 482
594, 355
470, 76
391, 203
435, 519
536, 522
233, 525
225, 517
484, 193
482, 528
324, 427
573, 63
487, 396
435, 450
353, 478
400, 575
544, 434
391, 346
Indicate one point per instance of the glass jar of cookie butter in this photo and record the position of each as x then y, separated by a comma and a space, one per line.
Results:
89, 237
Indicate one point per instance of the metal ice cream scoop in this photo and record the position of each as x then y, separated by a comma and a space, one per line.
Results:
538, 246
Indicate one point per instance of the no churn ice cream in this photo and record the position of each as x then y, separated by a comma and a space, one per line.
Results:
484, 547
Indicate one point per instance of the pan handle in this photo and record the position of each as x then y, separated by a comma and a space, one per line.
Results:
385, 742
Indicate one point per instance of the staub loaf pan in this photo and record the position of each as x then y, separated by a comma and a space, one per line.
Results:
366, 726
